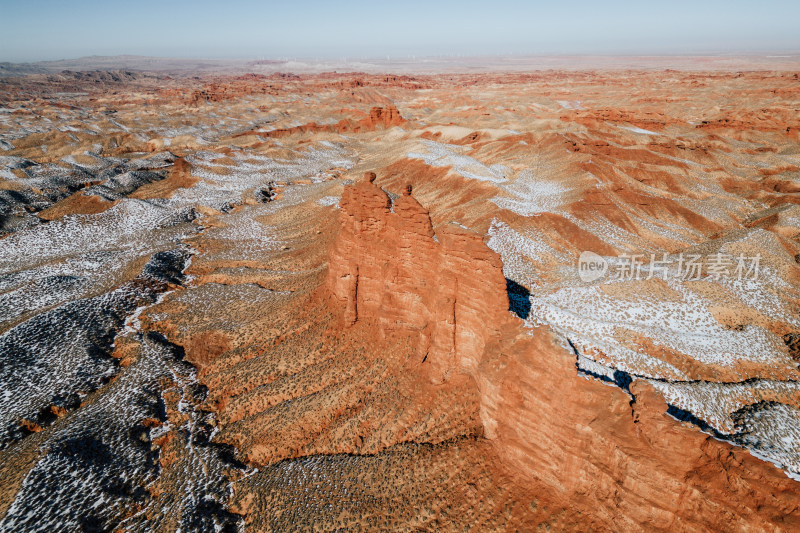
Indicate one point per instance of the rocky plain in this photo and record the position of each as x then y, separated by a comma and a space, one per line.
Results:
354, 301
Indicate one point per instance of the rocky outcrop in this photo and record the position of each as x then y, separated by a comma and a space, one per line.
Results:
379, 117
604, 456
383, 116
387, 265
616, 457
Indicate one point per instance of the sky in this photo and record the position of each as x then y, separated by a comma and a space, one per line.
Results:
33, 30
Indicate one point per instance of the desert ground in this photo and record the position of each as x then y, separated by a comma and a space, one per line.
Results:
353, 301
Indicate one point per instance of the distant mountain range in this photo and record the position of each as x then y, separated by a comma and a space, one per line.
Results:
185, 66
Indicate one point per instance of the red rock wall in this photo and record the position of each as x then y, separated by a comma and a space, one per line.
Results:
386, 266
611, 460
623, 464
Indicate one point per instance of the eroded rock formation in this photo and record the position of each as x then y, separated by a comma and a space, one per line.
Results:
387, 265
352, 427
606, 456
616, 456
384, 116
379, 117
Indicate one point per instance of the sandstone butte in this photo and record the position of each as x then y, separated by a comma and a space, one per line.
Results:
611, 456
387, 266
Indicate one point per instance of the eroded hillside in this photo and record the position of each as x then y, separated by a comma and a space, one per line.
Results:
354, 301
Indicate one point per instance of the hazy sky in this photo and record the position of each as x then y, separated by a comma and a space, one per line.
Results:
60, 29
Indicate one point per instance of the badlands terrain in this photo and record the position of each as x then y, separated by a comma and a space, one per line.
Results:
353, 301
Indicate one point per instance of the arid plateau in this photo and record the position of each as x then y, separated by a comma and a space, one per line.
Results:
490, 300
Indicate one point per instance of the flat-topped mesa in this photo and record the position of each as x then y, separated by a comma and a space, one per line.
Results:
387, 267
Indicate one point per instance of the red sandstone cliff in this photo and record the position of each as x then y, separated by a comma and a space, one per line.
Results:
617, 459
606, 458
387, 266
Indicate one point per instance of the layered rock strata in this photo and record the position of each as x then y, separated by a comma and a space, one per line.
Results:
388, 266
611, 455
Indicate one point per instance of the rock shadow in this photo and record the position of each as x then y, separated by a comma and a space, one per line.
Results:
519, 299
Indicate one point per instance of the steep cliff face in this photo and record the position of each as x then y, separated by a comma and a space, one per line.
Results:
604, 455
616, 457
446, 289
